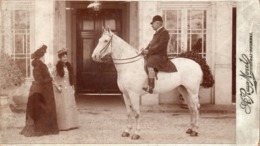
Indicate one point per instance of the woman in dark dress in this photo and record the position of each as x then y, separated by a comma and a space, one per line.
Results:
41, 118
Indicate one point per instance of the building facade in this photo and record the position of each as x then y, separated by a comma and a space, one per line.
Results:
27, 24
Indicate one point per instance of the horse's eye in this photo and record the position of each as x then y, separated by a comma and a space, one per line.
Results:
106, 41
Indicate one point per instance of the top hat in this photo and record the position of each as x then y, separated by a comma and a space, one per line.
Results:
156, 18
39, 52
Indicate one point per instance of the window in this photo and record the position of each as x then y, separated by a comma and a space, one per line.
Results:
20, 29
187, 30
2, 39
15, 33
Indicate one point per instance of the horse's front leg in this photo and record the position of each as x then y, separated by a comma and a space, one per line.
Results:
129, 110
135, 99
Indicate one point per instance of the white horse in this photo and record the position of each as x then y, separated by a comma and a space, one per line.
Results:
131, 78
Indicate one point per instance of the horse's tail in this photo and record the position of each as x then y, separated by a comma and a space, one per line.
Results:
208, 79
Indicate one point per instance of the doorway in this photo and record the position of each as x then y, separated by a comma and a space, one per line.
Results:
93, 77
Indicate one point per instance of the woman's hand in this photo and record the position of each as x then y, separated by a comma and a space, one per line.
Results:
60, 88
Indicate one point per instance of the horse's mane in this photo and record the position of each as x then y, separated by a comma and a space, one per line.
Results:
124, 42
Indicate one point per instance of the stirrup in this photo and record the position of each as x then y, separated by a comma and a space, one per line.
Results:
148, 89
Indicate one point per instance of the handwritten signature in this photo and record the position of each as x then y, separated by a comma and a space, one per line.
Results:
251, 84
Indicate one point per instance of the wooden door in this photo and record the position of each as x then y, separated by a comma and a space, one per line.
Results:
93, 77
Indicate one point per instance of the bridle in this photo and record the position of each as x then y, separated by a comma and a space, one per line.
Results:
119, 59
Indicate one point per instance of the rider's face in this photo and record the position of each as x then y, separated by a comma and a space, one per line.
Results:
155, 25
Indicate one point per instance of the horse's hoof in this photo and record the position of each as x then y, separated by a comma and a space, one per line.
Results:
189, 131
194, 133
125, 134
135, 137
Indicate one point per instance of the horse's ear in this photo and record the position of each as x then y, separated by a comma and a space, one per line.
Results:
108, 29
103, 29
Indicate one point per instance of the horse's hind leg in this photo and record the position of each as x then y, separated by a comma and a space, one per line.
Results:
129, 110
182, 90
193, 108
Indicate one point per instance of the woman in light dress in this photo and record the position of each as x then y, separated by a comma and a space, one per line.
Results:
64, 93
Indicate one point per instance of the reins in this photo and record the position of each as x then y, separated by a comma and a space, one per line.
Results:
106, 47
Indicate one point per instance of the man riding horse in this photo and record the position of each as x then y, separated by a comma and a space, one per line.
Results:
156, 53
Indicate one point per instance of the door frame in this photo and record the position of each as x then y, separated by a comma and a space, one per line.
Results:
71, 16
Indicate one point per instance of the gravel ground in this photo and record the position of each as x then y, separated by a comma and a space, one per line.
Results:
99, 126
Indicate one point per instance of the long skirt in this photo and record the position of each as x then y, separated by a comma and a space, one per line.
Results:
67, 113
41, 118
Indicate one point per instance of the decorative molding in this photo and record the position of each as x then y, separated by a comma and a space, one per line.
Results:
17, 4
181, 5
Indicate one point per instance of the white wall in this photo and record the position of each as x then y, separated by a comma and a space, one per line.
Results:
146, 12
44, 27
223, 53
60, 36
133, 25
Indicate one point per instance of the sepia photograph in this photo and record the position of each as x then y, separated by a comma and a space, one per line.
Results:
129, 72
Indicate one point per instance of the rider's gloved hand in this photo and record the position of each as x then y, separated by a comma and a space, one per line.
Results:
145, 52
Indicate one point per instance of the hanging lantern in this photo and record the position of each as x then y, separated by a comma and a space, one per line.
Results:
95, 6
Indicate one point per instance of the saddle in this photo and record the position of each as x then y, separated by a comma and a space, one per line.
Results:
170, 67
155, 71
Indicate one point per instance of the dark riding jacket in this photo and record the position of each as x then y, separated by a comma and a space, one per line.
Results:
157, 55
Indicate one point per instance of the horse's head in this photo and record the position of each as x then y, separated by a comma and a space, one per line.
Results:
103, 50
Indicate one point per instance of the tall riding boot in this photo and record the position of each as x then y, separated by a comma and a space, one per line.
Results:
151, 76
151, 85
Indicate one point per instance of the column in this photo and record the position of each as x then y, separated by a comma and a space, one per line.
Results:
60, 35
223, 53
44, 27
146, 12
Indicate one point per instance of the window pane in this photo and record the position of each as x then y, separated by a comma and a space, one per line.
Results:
174, 45
195, 19
22, 65
204, 43
21, 19
205, 19
19, 44
111, 23
88, 25
28, 73
171, 19
28, 48
188, 43
196, 43
87, 45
